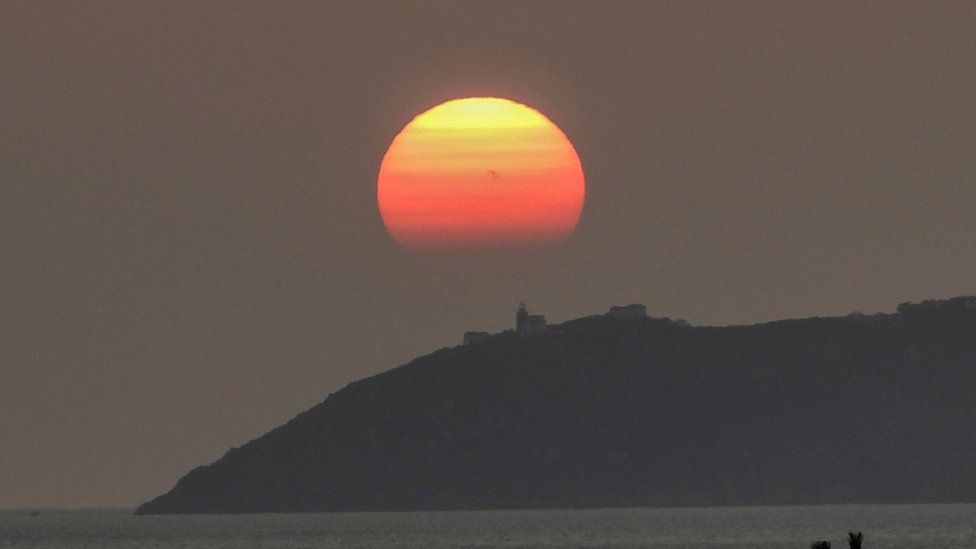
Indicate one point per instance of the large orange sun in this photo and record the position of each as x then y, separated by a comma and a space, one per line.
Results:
480, 172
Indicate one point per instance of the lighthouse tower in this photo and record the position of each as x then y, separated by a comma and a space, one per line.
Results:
528, 324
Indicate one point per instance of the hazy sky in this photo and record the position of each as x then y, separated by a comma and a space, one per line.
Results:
191, 247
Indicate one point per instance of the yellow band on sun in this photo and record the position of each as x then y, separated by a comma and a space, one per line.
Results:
479, 171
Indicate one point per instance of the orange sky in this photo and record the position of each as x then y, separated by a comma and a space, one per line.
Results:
480, 171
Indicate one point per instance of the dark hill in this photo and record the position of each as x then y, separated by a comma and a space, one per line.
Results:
614, 412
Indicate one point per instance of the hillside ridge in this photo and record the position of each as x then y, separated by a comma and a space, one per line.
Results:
606, 411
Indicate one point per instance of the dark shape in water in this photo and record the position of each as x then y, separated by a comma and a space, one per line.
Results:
822, 544
854, 540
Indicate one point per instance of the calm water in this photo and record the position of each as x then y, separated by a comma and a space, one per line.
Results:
888, 526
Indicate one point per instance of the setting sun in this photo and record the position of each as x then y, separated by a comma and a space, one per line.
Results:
480, 172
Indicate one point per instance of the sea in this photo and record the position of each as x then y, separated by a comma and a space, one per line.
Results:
884, 526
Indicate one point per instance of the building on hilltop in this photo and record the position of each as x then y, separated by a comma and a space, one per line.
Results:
634, 310
528, 324
474, 337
